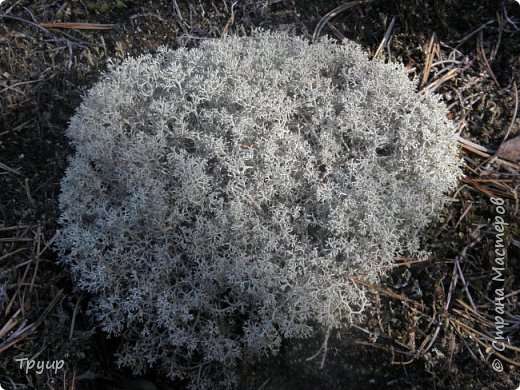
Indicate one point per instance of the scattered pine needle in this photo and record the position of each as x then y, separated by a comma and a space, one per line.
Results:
386, 292
429, 60
77, 26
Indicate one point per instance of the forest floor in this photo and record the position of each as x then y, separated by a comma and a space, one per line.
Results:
432, 324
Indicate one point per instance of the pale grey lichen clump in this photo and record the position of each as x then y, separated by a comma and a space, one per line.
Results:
221, 198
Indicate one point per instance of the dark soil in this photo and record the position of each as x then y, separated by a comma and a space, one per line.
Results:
431, 324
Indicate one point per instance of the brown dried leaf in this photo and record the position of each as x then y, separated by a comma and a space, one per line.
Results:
510, 150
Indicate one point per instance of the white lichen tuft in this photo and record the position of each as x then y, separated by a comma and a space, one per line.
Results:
221, 198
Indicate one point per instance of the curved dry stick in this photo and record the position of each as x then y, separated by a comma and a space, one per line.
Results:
334, 12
